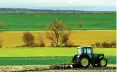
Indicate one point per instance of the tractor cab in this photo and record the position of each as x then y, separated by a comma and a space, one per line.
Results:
86, 56
85, 51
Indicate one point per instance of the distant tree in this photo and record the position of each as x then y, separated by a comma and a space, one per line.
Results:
2, 25
28, 39
113, 43
1, 30
58, 33
0, 43
41, 41
80, 25
97, 44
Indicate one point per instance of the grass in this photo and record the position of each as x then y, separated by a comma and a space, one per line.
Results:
14, 38
46, 56
43, 60
29, 52
36, 21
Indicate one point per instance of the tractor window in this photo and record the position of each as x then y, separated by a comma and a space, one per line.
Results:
89, 50
80, 51
85, 51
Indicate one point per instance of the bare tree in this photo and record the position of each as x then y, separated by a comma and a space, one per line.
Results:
58, 33
80, 25
28, 39
41, 41
1, 30
1, 25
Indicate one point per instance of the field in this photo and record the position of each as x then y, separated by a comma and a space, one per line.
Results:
14, 38
97, 28
36, 22
46, 56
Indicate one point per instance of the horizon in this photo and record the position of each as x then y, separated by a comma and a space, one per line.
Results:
89, 5
63, 9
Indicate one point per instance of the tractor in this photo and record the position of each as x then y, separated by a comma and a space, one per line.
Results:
86, 57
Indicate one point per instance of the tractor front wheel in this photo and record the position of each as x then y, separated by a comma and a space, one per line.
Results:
102, 62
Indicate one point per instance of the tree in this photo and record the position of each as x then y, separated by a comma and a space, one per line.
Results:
80, 25
1, 30
41, 41
58, 33
1, 25
28, 39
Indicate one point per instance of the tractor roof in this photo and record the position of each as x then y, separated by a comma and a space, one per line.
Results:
85, 47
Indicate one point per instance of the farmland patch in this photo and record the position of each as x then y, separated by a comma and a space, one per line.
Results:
14, 38
36, 21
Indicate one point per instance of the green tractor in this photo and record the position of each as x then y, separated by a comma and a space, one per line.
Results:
86, 58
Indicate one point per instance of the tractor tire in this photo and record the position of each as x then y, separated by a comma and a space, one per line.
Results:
102, 62
74, 59
84, 62
74, 62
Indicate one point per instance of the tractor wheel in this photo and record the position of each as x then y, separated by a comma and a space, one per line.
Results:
74, 61
102, 62
84, 62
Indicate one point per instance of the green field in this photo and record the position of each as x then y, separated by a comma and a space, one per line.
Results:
29, 52
34, 22
43, 60
46, 56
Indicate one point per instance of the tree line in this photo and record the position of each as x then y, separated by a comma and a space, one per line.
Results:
57, 33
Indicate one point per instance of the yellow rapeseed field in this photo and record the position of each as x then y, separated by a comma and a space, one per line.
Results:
14, 38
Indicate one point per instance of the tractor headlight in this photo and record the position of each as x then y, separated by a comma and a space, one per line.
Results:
101, 57
78, 56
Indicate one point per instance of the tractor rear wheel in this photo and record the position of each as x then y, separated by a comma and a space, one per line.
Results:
84, 62
102, 62
74, 61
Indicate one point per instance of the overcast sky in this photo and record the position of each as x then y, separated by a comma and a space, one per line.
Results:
108, 5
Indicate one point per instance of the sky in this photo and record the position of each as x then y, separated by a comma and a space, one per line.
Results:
88, 5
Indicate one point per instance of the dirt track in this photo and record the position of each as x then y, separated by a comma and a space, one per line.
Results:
78, 71
46, 68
